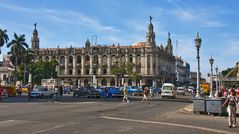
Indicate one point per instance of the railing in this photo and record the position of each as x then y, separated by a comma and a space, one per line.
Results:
230, 79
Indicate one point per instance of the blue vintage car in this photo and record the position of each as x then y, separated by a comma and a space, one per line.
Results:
133, 90
112, 92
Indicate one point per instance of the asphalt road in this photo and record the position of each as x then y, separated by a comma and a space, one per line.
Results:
99, 116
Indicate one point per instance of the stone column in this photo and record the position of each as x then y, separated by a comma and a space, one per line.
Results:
66, 65
74, 65
108, 64
83, 65
157, 65
126, 58
151, 63
100, 65
142, 62
91, 65
134, 62
146, 64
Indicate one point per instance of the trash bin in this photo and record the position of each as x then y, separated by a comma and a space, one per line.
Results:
199, 105
214, 105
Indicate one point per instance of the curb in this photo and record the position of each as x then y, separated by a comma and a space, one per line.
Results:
188, 108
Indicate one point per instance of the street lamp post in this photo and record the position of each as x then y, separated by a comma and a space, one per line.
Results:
198, 42
211, 76
216, 95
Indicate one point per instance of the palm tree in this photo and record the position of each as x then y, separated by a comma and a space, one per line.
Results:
27, 55
3, 38
18, 45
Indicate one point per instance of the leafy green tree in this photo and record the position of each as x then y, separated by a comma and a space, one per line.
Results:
225, 72
122, 69
17, 45
136, 76
3, 38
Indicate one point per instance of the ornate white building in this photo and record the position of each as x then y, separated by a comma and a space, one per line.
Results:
92, 64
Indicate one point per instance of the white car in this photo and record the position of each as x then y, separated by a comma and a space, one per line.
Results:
181, 90
41, 92
169, 90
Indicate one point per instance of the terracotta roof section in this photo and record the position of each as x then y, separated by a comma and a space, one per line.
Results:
139, 44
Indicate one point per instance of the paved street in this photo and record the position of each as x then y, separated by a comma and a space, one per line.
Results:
97, 116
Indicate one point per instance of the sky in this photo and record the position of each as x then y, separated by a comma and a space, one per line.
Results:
70, 22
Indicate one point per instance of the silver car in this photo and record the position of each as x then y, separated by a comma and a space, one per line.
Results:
41, 92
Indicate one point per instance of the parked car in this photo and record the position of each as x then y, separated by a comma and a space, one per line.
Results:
156, 90
86, 92
181, 90
112, 91
133, 90
190, 89
41, 92
168, 90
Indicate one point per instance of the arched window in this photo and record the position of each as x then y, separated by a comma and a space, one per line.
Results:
113, 60
138, 59
104, 82
104, 71
131, 58
112, 82
149, 82
62, 60
79, 71
70, 60
95, 60
78, 60
130, 82
87, 72
47, 59
104, 60
70, 72
53, 58
40, 58
87, 59
122, 60
86, 83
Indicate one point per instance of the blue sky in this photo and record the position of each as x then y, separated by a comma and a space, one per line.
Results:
71, 22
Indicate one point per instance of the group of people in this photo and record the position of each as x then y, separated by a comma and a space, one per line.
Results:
146, 92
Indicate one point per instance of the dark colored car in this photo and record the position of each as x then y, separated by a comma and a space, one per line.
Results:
157, 90
86, 92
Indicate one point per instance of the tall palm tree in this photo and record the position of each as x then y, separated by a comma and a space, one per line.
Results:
3, 38
18, 45
28, 55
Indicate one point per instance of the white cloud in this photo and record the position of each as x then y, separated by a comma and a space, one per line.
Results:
63, 16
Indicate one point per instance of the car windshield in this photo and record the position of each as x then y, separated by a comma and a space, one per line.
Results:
167, 88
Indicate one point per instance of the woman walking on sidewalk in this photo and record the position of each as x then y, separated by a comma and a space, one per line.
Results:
231, 102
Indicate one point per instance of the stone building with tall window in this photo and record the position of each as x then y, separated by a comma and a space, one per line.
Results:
92, 64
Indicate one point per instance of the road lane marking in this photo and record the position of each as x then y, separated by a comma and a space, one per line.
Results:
169, 124
3, 106
43, 130
7, 121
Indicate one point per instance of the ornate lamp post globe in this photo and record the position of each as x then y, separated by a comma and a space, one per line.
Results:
198, 42
211, 61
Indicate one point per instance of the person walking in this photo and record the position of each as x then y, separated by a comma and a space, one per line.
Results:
1, 92
151, 91
231, 102
56, 90
106, 92
125, 91
146, 93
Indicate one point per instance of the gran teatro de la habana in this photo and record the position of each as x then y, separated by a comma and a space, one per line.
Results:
92, 64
